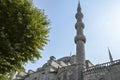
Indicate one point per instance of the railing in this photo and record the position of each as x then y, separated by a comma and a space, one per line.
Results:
108, 64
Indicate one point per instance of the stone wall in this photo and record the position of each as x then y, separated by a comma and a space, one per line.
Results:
67, 73
106, 71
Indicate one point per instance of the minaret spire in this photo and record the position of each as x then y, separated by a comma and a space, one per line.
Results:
110, 55
79, 7
80, 41
79, 14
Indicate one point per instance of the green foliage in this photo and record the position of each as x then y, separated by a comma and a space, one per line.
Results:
23, 31
3, 77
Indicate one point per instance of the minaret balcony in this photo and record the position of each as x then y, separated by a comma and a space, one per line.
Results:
80, 38
79, 15
79, 24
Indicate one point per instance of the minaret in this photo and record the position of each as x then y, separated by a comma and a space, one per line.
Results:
80, 43
110, 55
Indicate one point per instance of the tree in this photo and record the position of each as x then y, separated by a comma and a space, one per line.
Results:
23, 31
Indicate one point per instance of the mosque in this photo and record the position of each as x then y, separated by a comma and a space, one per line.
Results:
74, 67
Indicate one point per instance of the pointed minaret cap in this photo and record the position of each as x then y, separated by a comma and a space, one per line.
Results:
70, 53
79, 7
110, 55
79, 14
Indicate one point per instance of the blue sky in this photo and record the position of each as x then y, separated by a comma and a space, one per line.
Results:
102, 29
